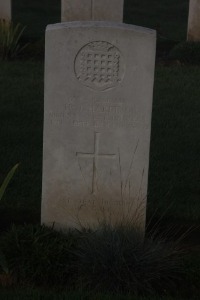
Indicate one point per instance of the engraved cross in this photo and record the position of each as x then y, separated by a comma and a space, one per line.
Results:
95, 156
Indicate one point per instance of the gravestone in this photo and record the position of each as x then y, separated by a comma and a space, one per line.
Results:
5, 10
97, 122
96, 10
193, 33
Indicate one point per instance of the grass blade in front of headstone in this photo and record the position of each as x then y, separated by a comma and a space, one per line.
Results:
117, 260
7, 180
3, 263
10, 35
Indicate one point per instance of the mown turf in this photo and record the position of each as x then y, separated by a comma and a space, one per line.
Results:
168, 17
174, 180
36, 15
21, 118
32, 294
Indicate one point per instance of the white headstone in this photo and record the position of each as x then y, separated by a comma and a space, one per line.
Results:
193, 33
5, 10
88, 10
98, 100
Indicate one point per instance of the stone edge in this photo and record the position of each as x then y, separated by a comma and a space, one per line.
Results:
101, 24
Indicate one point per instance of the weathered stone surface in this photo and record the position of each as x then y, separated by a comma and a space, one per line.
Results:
88, 10
193, 33
98, 101
5, 10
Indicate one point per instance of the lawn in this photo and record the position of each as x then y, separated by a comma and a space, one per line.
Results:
168, 17
174, 173
174, 181
175, 146
35, 15
42, 295
21, 138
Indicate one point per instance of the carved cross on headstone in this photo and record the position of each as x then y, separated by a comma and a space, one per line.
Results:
92, 10
95, 156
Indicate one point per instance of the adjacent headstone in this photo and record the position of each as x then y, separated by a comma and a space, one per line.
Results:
194, 21
88, 10
5, 10
98, 101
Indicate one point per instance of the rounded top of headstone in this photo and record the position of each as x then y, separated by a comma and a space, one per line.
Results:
102, 24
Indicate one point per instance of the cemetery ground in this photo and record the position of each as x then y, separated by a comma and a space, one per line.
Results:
174, 175
174, 169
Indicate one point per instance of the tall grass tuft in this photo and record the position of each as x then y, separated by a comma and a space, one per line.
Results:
38, 255
120, 260
7, 180
10, 35
109, 260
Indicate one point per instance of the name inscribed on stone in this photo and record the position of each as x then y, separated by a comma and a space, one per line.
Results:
97, 114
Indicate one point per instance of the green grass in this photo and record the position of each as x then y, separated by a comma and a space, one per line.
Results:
169, 17
175, 145
109, 260
186, 53
21, 115
174, 177
36, 15
174, 180
32, 294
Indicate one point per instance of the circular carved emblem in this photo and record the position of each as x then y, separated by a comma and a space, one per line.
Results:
99, 65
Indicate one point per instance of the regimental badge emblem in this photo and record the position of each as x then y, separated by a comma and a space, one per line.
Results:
99, 66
